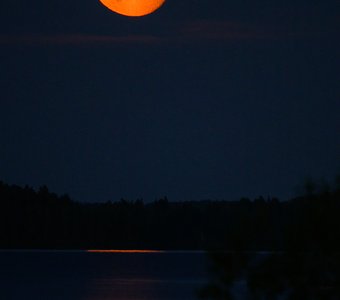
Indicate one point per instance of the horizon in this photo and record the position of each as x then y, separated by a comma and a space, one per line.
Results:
300, 190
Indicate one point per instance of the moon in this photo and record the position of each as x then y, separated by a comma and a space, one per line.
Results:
133, 8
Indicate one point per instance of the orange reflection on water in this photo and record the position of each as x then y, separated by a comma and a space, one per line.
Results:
123, 251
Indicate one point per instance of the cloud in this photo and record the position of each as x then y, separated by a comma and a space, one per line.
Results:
199, 31
74, 39
220, 30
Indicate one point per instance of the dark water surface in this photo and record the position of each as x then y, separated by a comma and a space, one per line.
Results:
79, 275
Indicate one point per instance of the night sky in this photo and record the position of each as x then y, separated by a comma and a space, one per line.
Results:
200, 100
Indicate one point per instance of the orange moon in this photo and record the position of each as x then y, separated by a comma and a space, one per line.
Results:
133, 8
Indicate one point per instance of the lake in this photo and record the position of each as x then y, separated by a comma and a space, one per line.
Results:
166, 275
82, 275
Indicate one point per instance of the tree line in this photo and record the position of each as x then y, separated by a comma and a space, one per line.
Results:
40, 219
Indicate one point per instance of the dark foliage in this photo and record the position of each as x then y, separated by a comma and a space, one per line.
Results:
289, 275
306, 265
41, 219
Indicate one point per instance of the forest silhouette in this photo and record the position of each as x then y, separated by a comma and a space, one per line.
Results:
31, 219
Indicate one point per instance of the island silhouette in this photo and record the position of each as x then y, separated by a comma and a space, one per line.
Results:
40, 219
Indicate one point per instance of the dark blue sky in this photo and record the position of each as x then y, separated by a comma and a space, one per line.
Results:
199, 100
